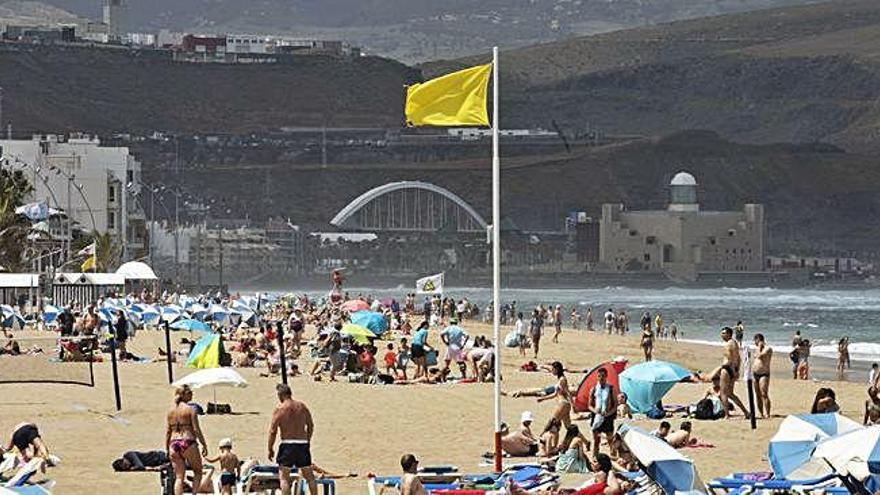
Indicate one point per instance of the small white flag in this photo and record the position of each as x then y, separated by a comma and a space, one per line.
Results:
430, 285
87, 251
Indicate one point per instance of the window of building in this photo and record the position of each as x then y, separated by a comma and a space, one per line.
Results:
111, 193
731, 232
650, 240
129, 176
111, 219
633, 233
712, 240
647, 257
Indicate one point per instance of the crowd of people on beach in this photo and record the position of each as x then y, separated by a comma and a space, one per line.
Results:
422, 342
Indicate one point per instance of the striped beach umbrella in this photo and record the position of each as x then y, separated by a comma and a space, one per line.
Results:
671, 470
791, 449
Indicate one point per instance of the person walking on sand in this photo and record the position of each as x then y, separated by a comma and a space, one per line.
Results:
557, 323
647, 342
535, 327
294, 420
761, 373
182, 438
589, 318
673, 330
229, 465
842, 355
562, 394
729, 370
522, 335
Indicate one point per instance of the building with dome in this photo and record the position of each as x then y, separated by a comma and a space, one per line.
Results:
682, 241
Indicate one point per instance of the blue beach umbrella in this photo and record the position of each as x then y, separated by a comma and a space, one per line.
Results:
374, 321
856, 452
198, 312
50, 312
190, 325
10, 317
646, 383
672, 471
790, 451
171, 312
218, 313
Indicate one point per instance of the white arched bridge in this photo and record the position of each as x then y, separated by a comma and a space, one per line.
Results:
410, 206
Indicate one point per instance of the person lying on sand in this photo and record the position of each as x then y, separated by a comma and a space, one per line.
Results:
434, 376
682, 437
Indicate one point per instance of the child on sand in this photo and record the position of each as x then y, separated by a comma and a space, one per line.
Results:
390, 360
230, 467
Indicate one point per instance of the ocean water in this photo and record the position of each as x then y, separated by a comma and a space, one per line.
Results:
823, 316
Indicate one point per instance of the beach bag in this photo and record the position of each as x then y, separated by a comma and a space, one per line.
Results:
656, 413
704, 409
793, 356
511, 340
431, 358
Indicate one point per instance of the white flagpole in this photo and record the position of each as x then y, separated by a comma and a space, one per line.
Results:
496, 256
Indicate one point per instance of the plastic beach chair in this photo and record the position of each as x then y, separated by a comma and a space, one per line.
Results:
737, 481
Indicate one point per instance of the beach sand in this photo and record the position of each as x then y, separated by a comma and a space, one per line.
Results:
367, 428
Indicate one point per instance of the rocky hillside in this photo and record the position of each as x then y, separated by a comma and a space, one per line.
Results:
801, 74
56, 89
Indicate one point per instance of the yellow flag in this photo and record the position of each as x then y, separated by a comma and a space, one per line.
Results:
89, 264
455, 99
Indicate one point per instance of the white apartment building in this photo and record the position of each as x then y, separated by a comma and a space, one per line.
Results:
78, 175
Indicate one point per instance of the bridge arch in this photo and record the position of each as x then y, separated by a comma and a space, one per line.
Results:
400, 206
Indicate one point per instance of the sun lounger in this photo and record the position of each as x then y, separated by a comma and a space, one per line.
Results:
25, 473
265, 477
740, 480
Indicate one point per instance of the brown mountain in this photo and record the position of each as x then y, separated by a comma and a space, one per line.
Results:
799, 74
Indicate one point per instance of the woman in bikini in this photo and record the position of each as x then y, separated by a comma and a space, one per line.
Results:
182, 438
647, 343
562, 395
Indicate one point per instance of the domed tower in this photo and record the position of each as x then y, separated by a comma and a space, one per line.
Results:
683, 193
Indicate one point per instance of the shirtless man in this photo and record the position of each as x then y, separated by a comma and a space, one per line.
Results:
761, 372
410, 484
730, 364
294, 420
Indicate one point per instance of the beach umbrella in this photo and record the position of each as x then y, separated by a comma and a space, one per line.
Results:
206, 353
13, 320
198, 311
171, 312
358, 333
647, 383
190, 325
665, 465
355, 305
50, 312
213, 377
374, 321
790, 451
218, 313
856, 452
149, 313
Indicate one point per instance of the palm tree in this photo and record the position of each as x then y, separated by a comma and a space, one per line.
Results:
15, 245
108, 252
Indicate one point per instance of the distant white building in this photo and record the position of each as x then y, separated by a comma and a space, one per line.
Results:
114, 12
682, 241
89, 179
